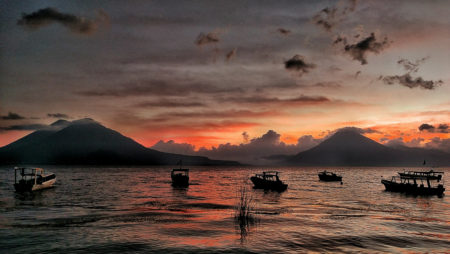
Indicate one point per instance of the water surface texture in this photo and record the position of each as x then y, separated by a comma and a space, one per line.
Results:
137, 210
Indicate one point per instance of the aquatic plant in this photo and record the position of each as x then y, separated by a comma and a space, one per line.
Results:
245, 210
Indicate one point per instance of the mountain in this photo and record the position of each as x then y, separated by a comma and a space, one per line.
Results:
349, 148
85, 141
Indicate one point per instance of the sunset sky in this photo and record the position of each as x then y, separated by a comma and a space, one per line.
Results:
214, 72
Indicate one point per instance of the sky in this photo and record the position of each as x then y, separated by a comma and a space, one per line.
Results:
205, 75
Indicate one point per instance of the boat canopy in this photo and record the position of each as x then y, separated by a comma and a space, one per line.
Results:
180, 169
31, 171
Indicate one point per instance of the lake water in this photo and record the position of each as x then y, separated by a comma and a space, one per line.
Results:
116, 210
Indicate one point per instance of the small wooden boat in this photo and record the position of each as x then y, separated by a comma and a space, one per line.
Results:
32, 179
180, 177
268, 181
329, 177
416, 183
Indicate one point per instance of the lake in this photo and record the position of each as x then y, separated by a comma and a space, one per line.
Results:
135, 209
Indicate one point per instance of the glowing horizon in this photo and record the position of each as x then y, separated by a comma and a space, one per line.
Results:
202, 75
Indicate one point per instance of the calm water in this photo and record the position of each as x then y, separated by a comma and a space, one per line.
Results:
115, 210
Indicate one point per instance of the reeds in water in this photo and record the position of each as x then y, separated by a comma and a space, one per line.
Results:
244, 211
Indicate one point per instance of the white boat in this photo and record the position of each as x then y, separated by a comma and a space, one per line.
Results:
32, 179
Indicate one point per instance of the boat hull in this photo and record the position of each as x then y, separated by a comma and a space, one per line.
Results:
180, 180
268, 185
413, 189
328, 178
30, 186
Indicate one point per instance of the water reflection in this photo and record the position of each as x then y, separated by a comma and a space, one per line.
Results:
96, 208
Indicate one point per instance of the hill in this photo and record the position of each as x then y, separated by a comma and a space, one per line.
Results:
349, 148
86, 141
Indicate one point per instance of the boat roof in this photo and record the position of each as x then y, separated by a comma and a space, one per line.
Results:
180, 169
268, 174
431, 172
29, 168
271, 172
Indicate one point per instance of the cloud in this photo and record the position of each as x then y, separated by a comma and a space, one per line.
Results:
179, 148
426, 126
24, 127
359, 50
440, 144
169, 104
357, 74
203, 39
328, 84
441, 128
217, 114
231, 54
245, 137
158, 87
329, 17
415, 142
283, 31
12, 116
299, 100
58, 115
411, 66
408, 81
252, 151
75, 24
297, 63
356, 129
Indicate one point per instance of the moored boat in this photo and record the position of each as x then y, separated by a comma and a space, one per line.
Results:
269, 181
416, 183
32, 179
180, 177
329, 177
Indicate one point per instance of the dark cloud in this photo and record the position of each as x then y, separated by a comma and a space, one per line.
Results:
12, 116
441, 128
359, 51
328, 84
326, 18
408, 81
75, 24
231, 54
297, 63
329, 17
24, 127
159, 87
357, 74
283, 31
440, 144
169, 104
218, 114
426, 126
340, 39
245, 137
202, 39
57, 115
411, 67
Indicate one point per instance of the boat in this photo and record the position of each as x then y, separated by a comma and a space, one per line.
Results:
416, 183
329, 177
269, 181
32, 179
180, 176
